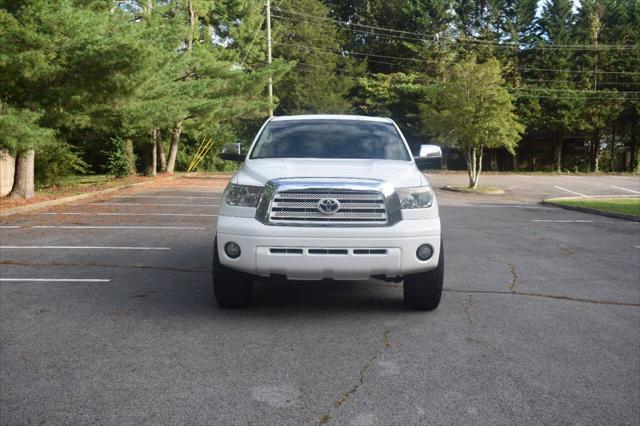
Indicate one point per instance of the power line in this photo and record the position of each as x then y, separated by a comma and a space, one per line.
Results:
350, 53
599, 94
580, 71
422, 37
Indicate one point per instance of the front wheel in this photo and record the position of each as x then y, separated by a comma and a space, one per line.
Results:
423, 291
231, 289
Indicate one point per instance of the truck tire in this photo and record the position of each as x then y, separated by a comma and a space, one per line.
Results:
423, 291
231, 289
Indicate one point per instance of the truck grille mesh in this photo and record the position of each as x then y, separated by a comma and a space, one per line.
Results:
302, 206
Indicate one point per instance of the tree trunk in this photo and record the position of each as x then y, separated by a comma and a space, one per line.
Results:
633, 166
612, 165
192, 24
151, 160
494, 160
470, 161
162, 159
557, 153
173, 148
594, 151
515, 161
474, 166
445, 156
23, 180
478, 169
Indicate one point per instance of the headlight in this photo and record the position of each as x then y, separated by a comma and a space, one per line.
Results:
417, 197
242, 195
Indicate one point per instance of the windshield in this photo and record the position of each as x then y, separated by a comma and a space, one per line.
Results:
330, 139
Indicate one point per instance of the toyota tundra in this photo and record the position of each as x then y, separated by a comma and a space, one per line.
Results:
329, 197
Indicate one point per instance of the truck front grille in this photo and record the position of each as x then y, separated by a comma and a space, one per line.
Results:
365, 207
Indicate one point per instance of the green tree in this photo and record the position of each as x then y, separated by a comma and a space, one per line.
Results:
315, 84
471, 112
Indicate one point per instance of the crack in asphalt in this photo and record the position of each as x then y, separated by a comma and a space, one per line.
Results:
362, 376
547, 296
102, 265
468, 304
449, 290
514, 277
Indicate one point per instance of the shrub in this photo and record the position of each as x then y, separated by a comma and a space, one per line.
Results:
120, 159
55, 161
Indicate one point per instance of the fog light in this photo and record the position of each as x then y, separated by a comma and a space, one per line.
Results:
232, 249
424, 252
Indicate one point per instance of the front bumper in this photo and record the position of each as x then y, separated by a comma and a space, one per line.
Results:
344, 252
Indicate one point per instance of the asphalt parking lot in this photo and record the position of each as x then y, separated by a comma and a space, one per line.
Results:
106, 316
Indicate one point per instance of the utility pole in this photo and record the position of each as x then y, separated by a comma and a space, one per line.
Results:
269, 56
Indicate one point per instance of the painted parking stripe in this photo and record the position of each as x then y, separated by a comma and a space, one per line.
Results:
58, 280
163, 196
81, 248
562, 221
124, 214
146, 204
625, 189
569, 191
185, 228
9, 226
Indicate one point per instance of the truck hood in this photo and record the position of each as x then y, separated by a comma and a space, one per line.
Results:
399, 173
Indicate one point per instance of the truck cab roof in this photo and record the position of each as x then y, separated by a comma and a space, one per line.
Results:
331, 117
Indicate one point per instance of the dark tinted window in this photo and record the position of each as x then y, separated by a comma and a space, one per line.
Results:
330, 139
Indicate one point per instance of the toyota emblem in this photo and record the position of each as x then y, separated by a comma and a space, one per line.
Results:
328, 205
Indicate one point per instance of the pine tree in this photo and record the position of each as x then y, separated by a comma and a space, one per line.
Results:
314, 85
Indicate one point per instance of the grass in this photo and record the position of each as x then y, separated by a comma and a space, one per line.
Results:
75, 183
629, 206
479, 190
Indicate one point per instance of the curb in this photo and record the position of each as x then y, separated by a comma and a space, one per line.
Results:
451, 188
592, 211
64, 200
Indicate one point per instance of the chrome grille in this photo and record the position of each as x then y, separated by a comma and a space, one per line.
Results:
302, 206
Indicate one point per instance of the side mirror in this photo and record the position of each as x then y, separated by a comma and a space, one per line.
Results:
429, 155
232, 152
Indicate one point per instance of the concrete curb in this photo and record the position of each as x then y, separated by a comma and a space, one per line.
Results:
452, 188
64, 200
592, 211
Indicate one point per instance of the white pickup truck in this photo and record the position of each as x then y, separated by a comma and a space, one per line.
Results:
329, 197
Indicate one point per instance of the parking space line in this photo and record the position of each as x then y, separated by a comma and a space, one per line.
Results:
81, 248
562, 221
568, 190
125, 214
146, 204
625, 189
9, 226
58, 280
163, 196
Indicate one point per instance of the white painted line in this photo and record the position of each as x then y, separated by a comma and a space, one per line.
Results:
568, 190
161, 196
9, 226
59, 280
125, 214
146, 204
84, 248
562, 221
625, 189
194, 228
637, 246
